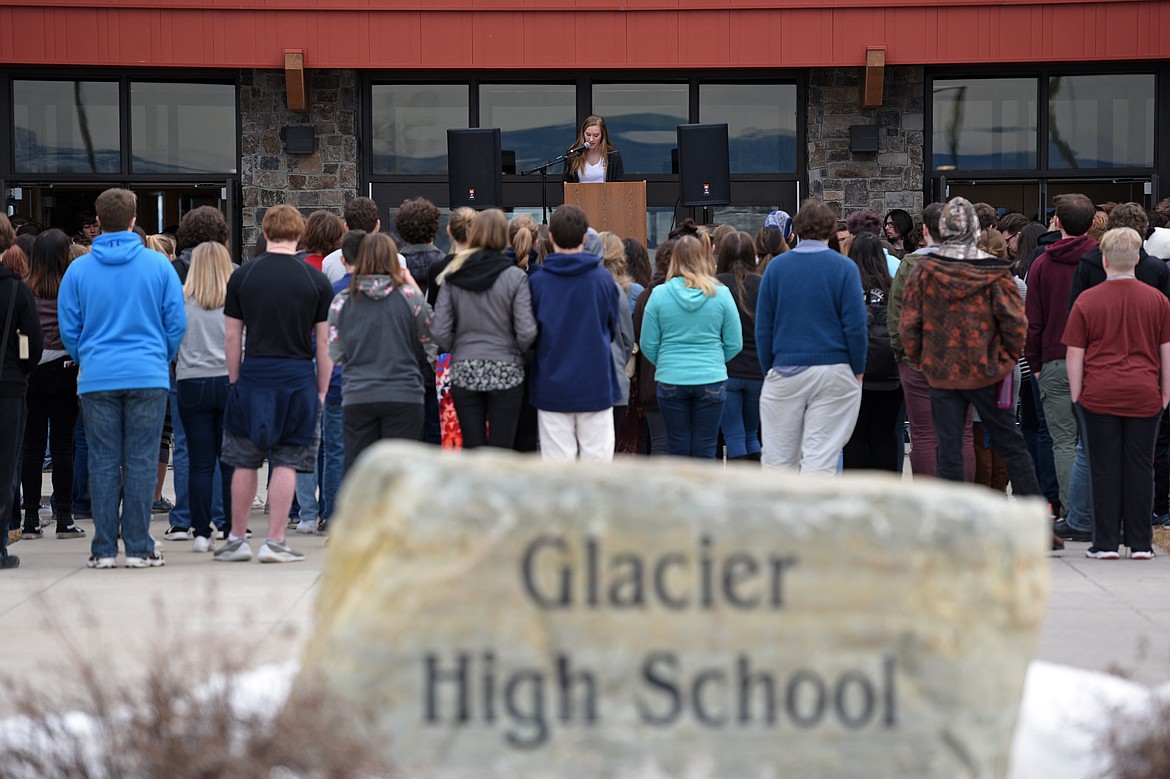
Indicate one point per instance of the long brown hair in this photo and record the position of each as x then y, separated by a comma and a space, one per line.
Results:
50, 258
377, 256
737, 256
578, 162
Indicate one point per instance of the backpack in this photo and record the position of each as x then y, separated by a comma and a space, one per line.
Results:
881, 367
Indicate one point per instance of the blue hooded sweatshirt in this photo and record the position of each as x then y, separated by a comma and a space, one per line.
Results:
578, 313
121, 315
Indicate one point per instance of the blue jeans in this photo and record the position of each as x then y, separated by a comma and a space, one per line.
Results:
180, 515
201, 403
691, 414
81, 466
741, 417
124, 428
1080, 487
331, 456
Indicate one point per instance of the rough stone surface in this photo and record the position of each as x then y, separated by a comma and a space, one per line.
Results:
889, 178
268, 174
894, 622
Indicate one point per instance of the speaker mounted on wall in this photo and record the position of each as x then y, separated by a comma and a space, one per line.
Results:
704, 167
300, 139
474, 165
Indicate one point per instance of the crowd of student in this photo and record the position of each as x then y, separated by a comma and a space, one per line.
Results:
807, 346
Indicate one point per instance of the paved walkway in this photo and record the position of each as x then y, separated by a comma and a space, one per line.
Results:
53, 609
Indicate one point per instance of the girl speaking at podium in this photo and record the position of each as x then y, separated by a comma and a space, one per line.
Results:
594, 159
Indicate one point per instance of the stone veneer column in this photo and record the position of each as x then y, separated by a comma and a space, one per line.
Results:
268, 174
889, 178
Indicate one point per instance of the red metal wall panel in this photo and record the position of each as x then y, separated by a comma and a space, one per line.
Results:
584, 35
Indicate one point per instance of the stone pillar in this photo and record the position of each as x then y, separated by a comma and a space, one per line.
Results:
889, 178
269, 175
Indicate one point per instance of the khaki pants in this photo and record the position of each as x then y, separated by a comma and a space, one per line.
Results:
806, 419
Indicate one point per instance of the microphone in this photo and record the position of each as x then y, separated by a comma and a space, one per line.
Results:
578, 149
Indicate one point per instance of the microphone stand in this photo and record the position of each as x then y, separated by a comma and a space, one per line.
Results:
543, 170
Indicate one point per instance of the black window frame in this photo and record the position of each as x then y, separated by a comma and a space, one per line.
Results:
661, 189
1042, 73
123, 77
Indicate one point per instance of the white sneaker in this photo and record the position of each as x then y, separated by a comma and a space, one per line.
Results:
102, 562
258, 503
307, 527
279, 552
238, 551
153, 561
176, 533
201, 544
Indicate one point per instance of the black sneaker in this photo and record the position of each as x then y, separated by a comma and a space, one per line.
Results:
70, 531
32, 533
1063, 530
9, 561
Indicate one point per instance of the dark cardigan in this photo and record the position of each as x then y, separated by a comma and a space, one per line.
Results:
613, 168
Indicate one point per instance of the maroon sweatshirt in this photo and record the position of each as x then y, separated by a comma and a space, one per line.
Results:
1049, 283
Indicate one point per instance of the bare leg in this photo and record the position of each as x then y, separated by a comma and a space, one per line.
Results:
243, 488
162, 476
280, 495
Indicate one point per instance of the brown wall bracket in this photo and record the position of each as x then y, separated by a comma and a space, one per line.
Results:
872, 79
296, 81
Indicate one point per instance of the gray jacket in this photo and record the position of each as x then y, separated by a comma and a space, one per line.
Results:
373, 334
495, 324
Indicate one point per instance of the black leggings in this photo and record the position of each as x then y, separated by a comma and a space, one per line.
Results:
52, 415
477, 411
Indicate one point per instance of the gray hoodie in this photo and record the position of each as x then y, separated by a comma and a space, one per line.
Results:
493, 324
373, 335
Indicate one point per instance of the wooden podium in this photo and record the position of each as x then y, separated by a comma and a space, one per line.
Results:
619, 207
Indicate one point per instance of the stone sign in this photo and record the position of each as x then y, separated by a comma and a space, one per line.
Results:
503, 617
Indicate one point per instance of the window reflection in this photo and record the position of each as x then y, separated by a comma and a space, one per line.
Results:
66, 127
410, 123
641, 119
1101, 121
761, 124
537, 121
985, 124
183, 128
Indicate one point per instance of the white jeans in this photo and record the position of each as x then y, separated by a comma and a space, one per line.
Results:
564, 436
806, 419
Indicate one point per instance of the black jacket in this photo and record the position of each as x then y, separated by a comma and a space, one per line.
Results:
613, 168
1090, 272
14, 371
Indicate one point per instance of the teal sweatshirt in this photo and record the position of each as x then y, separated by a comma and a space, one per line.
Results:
688, 336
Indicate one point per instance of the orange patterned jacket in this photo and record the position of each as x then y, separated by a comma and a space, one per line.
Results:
963, 322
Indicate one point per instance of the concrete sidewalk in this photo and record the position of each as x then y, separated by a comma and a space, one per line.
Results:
1101, 614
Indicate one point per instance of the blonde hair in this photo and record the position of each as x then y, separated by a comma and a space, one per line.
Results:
614, 258
522, 238
1122, 247
459, 222
488, 230
207, 280
162, 243
690, 261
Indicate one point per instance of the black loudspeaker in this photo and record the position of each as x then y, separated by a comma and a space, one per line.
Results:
474, 164
704, 167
